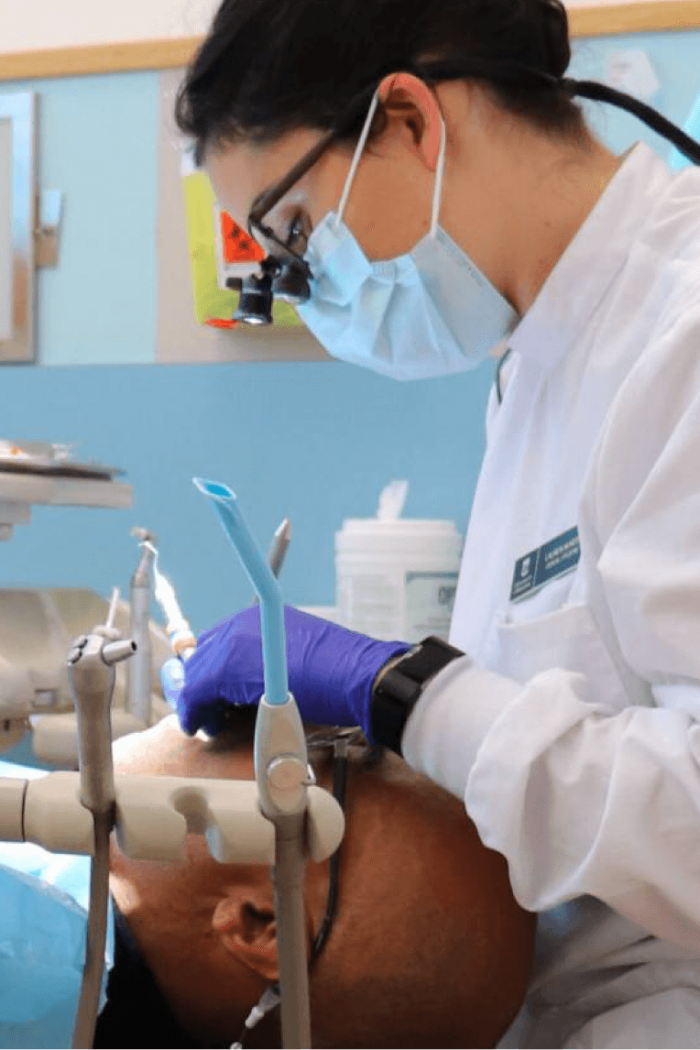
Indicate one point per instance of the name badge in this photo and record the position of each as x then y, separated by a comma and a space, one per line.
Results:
556, 558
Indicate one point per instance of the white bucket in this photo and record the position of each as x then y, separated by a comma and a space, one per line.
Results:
397, 579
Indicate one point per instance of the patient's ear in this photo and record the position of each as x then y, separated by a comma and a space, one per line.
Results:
245, 924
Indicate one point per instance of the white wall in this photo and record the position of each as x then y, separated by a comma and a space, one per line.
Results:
605, 3
32, 25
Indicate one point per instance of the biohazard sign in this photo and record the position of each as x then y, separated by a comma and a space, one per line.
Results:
238, 245
219, 249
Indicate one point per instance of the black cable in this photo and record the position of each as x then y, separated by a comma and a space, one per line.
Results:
499, 385
340, 778
602, 93
480, 69
529, 77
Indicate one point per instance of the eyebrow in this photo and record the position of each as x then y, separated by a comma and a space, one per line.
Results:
266, 200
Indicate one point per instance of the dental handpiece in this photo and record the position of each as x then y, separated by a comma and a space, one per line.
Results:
91, 663
177, 627
139, 670
279, 547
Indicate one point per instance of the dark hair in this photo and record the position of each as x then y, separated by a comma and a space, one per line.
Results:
271, 66
238, 730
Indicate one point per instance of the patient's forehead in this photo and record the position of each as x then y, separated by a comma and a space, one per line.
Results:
165, 750
397, 820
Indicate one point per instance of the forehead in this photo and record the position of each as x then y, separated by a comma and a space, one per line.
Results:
164, 750
241, 171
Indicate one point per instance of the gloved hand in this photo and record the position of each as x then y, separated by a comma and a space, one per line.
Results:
172, 680
331, 671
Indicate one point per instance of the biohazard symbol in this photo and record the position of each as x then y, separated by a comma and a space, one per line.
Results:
239, 247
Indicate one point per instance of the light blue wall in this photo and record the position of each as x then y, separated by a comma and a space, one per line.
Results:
313, 441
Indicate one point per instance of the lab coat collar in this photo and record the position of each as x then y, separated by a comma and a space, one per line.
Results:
570, 296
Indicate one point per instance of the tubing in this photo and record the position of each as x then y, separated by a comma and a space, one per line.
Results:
88, 1004
651, 117
264, 584
288, 882
280, 746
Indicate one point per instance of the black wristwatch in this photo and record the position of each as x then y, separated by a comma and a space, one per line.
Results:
398, 687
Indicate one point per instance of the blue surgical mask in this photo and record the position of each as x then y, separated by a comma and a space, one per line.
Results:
428, 313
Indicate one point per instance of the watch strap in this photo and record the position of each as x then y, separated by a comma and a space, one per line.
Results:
398, 688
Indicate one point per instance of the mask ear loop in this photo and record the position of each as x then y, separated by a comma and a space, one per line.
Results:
439, 177
439, 170
356, 159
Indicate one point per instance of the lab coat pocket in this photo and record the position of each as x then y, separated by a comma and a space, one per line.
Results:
566, 639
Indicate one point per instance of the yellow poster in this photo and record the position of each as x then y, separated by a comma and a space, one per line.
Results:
210, 232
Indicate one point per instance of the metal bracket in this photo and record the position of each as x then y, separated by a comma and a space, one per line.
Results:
48, 233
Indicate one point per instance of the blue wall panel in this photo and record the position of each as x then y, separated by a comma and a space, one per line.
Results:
315, 442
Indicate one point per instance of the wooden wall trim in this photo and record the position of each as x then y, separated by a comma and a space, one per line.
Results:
646, 16
607, 19
103, 58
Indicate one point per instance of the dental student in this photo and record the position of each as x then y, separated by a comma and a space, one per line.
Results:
423, 173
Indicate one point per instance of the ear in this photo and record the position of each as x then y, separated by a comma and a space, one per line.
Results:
410, 99
244, 922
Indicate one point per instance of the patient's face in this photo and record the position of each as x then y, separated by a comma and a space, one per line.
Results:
428, 948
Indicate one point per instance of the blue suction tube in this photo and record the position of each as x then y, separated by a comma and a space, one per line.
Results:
264, 584
281, 772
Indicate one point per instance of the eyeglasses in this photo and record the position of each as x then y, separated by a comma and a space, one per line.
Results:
341, 741
267, 200
284, 273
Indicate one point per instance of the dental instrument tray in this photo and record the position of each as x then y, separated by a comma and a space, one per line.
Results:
53, 460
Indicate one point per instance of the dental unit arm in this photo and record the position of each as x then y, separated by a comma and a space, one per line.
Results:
37, 627
38, 473
282, 772
75, 813
91, 668
154, 814
272, 822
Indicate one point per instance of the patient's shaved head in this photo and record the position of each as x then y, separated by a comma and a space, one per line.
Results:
428, 947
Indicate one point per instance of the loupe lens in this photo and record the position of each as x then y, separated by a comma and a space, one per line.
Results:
255, 304
291, 285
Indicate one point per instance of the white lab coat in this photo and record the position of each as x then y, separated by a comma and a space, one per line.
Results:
573, 732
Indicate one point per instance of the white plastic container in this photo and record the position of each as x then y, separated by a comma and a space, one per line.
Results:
397, 579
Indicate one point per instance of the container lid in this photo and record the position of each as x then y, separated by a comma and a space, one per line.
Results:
422, 537
405, 525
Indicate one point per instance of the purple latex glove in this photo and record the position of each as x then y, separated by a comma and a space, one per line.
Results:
331, 671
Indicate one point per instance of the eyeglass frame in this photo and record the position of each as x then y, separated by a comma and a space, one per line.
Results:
431, 73
340, 741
